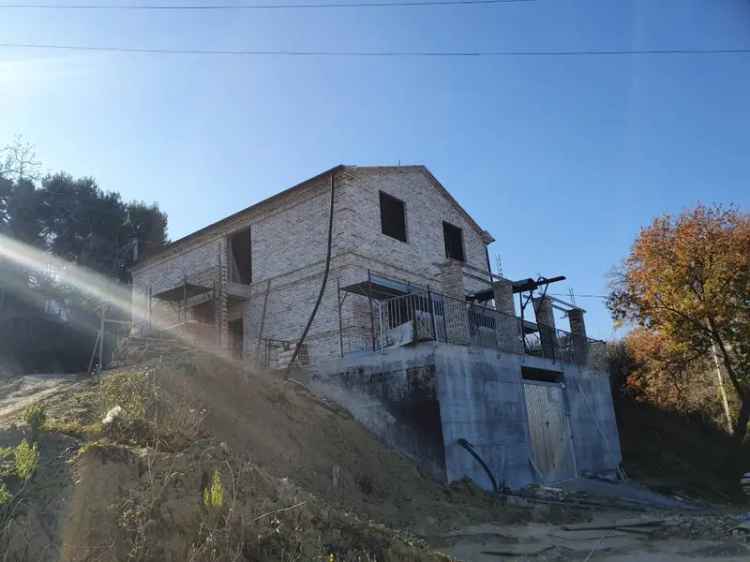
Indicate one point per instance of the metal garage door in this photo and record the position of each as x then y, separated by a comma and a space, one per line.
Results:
551, 445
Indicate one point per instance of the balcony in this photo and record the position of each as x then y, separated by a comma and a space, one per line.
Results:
429, 316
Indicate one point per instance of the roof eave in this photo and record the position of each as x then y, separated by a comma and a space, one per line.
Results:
234, 216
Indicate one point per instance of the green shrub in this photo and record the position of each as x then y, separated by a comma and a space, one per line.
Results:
27, 459
6, 462
5, 495
131, 391
213, 494
36, 416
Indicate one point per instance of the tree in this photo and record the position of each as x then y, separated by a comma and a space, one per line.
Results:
18, 170
686, 283
146, 228
20, 219
74, 219
670, 377
96, 229
18, 160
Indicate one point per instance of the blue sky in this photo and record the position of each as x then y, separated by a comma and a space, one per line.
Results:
562, 159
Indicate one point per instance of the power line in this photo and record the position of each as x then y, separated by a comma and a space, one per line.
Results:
605, 297
206, 7
294, 53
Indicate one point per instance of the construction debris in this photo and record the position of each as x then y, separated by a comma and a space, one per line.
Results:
112, 415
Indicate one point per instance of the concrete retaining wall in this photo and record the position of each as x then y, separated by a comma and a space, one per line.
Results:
422, 399
592, 418
395, 397
481, 400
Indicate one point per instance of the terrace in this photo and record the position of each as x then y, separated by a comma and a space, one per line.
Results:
403, 314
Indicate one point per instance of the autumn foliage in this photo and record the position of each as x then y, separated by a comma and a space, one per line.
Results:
657, 376
686, 287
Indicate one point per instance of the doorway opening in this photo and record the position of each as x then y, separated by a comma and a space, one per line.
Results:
549, 430
240, 257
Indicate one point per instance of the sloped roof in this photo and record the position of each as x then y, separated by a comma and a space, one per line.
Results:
179, 243
486, 236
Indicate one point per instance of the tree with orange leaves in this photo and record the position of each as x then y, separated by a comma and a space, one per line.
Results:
671, 378
686, 284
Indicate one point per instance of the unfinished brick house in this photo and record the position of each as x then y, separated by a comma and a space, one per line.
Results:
411, 320
249, 281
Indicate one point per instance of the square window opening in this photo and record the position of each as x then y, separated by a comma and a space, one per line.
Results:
454, 241
392, 217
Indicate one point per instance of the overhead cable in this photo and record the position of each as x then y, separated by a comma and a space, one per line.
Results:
325, 53
266, 6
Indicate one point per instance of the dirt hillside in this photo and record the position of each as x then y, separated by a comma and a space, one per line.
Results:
202, 460
318, 445
116, 491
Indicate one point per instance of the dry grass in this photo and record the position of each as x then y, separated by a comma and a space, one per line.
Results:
141, 480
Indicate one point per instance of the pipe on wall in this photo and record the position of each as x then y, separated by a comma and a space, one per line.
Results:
322, 286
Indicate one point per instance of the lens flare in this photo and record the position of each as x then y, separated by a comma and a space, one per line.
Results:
89, 283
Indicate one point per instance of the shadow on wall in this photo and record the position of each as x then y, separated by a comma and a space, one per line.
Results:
399, 407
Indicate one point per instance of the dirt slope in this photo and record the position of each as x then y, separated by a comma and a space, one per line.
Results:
301, 481
292, 433
134, 490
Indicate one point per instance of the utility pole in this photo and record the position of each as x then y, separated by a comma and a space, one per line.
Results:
722, 390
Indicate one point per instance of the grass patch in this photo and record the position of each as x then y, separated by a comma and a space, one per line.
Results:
213, 495
5, 495
26, 460
35, 416
134, 392
75, 428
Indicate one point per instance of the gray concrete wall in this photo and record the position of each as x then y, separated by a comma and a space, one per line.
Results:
592, 418
481, 400
480, 393
481, 397
394, 395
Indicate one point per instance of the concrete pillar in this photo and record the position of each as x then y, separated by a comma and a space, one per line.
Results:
507, 324
578, 336
456, 315
545, 319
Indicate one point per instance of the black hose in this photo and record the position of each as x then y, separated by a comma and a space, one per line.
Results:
322, 287
466, 445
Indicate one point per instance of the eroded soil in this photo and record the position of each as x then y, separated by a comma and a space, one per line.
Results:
305, 451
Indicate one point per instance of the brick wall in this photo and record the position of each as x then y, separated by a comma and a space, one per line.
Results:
289, 245
426, 209
199, 263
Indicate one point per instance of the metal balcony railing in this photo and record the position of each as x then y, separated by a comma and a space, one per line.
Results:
432, 316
